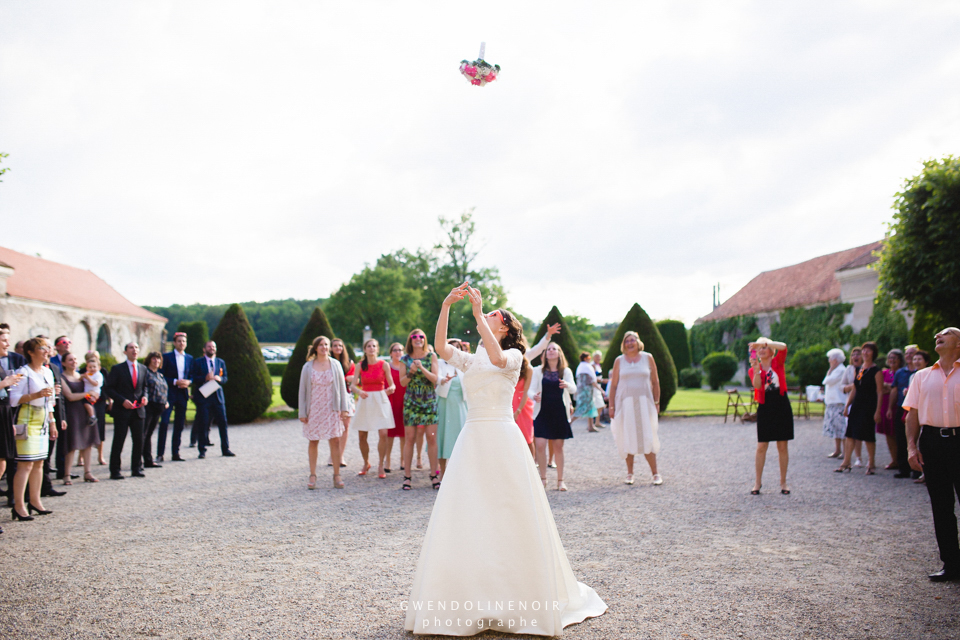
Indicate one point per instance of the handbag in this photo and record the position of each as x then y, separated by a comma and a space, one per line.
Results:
20, 431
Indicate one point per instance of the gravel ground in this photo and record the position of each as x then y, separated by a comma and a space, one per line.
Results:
238, 548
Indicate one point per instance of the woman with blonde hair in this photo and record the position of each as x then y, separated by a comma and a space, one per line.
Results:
374, 384
418, 373
35, 426
774, 414
635, 404
323, 406
550, 389
338, 351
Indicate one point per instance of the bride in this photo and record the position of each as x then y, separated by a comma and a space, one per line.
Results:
492, 557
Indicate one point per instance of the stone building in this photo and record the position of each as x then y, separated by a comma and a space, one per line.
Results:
39, 296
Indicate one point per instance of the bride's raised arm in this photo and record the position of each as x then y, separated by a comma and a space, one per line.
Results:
440, 345
490, 342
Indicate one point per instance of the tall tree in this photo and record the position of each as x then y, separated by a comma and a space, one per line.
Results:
675, 335
566, 339
249, 388
316, 326
197, 336
920, 263
638, 320
373, 297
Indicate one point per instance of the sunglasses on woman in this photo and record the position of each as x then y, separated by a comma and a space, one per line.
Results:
417, 337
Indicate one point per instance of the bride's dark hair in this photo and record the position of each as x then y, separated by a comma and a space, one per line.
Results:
514, 338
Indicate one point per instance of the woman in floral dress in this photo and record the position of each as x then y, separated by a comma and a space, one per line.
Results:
323, 406
418, 373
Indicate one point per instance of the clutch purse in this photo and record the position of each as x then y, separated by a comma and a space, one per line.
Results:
20, 432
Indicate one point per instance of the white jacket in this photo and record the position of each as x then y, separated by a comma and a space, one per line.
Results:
445, 369
536, 386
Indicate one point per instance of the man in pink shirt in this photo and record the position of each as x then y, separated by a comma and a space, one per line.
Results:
933, 402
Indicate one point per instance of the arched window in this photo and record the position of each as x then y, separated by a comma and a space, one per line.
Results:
103, 339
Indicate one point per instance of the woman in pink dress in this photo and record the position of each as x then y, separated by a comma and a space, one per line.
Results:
523, 405
885, 426
396, 403
323, 406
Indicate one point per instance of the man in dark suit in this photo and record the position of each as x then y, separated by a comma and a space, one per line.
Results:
177, 369
127, 385
207, 368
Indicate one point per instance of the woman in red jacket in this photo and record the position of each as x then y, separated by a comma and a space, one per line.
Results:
774, 414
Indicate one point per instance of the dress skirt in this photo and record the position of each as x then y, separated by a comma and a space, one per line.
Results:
774, 417
635, 426
885, 426
373, 412
8, 446
834, 422
451, 415
860, 424
396, 405
524, 419
35, 447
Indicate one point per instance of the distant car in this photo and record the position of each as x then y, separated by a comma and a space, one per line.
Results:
268, 353
283, 352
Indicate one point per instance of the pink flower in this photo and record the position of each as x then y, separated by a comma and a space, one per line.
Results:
475, 81
470, 71
490, 77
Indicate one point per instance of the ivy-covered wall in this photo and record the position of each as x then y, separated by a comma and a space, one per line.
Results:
801, 328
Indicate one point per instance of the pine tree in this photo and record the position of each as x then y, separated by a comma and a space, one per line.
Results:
249, 389
653, 343
675, 335
568, 344
317, 325
197, 335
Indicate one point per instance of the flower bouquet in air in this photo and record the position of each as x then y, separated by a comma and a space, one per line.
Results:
479, 72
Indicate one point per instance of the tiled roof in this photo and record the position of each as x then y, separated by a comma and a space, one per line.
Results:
801, 285
38, 279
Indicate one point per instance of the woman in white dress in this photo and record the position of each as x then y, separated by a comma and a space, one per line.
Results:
374, 384
491, 556
634, 404
834, 399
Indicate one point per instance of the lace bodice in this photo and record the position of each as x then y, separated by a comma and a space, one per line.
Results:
487, 388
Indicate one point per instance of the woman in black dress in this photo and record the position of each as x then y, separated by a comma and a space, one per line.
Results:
863, 408
550, 389
774, 414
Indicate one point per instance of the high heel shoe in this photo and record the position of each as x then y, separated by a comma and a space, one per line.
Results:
363, 472
39, 512
871, 471
337, 482
435, 480
16, 516
843, 467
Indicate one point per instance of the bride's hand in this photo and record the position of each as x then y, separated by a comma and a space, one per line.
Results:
476, 301
456, 294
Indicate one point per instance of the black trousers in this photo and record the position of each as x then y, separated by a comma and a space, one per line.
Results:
941, 469
154, 411
124, 420
900, 432
207, 411
179, 410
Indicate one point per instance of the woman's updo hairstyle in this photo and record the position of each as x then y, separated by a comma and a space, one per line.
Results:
312, 351
514, 337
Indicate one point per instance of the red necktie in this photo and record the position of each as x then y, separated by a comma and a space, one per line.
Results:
133, 374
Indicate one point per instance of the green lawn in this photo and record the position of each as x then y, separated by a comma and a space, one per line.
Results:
701, 402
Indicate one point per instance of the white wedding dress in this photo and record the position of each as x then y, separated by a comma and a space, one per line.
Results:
492, 557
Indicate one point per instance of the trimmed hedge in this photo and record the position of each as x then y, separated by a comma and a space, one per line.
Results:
277, 368
720, 366
197, 335
317, 325
638, 320
691, 378
568, 344
249, 390
810, 364
675, 335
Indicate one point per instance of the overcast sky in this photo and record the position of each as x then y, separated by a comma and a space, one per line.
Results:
631, 152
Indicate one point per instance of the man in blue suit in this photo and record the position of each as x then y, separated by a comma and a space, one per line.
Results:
207, 368
178, 370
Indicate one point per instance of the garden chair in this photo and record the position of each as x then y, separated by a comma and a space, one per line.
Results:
803, 405
734, 400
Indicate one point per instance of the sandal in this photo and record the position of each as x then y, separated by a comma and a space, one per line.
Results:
406, 483
755, 492
657, 480
629, 479
337, 482
312, 481
843, 467
88, 477
785, 492
871, 471
67, 483
363, 472
435, 480
561, 485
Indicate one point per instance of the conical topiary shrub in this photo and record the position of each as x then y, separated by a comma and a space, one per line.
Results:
249, 389
638, 320
565, 339
675, 335
317, 325
197, 335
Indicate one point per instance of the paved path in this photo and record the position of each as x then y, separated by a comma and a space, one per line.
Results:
238, 548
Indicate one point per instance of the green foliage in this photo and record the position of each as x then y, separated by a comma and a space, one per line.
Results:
606, 331
920, 263
800, 328
720, 367
733, 334
197, 336
272, 321
277, 368
809, 364
317, 325
675, 335
887, 326
566, 340
248, 390
372, 298
4, 169
638, 320
107, 361
691, 378
926, 324
583, 332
